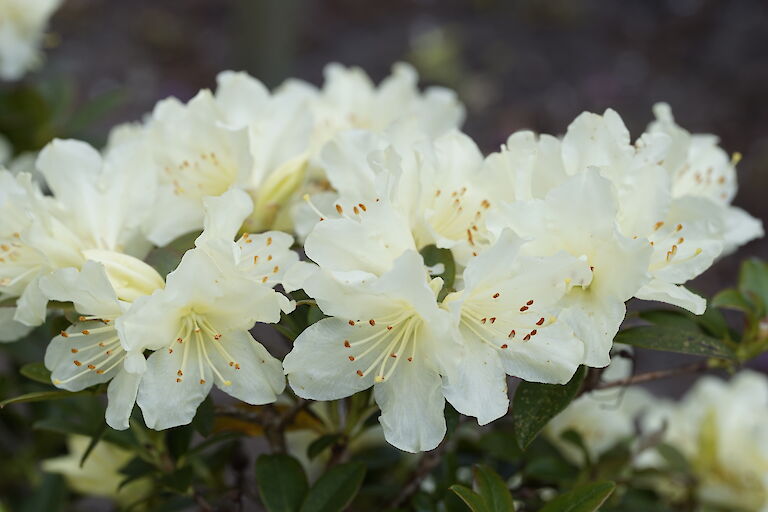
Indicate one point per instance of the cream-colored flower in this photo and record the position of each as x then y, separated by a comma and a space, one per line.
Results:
349, 99
97, 203
89, 352
100, 475
700, 167
242, 136
719, 427
22, 27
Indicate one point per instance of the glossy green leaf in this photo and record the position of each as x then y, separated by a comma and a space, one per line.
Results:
335, 490
586, 498
493, 490
472, 499
37, 372
535, 404
281, 481
670, 339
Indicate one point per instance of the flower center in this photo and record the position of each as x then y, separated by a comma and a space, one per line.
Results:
196, 334
210, 174
391, 337
101, 356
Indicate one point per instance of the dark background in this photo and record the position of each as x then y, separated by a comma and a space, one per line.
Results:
515, 64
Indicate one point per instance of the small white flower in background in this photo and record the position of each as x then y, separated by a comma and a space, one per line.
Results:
89, 352
100, 475
96, 203
22, 27
388, 333
579, 218
350, 100
719, 426
506, 318
602, 421
700, 167
198, 324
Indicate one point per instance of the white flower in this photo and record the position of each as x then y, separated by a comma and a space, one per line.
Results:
100, 474
350, 100
97, 203
198, 324
439, 185
699, 167
720, 428
240, 137
686, 233
89, 352
22, 24
579, 218
388, 333
506, 318
601, 420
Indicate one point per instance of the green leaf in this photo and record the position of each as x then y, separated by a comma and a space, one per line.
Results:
731, 299
281, 481
535, 404
586, 498
335, 490
675, 340
753, 282
180, 480
671, 319
205, 417
41, 396
473, 500
434, 256
493, 490
95, 438
320, 444
166, 259
36, 372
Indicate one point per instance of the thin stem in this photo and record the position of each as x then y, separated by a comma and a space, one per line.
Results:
650, 376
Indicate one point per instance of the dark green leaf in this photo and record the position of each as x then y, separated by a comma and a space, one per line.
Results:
37, 372
500, 445
473, 500
40, 396
535, 404
493, 490
205, 417
281, 481
320, 444
50, 495
713, 322
586, 498
179, 480
675, 340
95, 438
434, 256
335, 490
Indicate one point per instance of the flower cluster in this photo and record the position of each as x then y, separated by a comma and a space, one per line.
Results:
718, 427
440, 271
